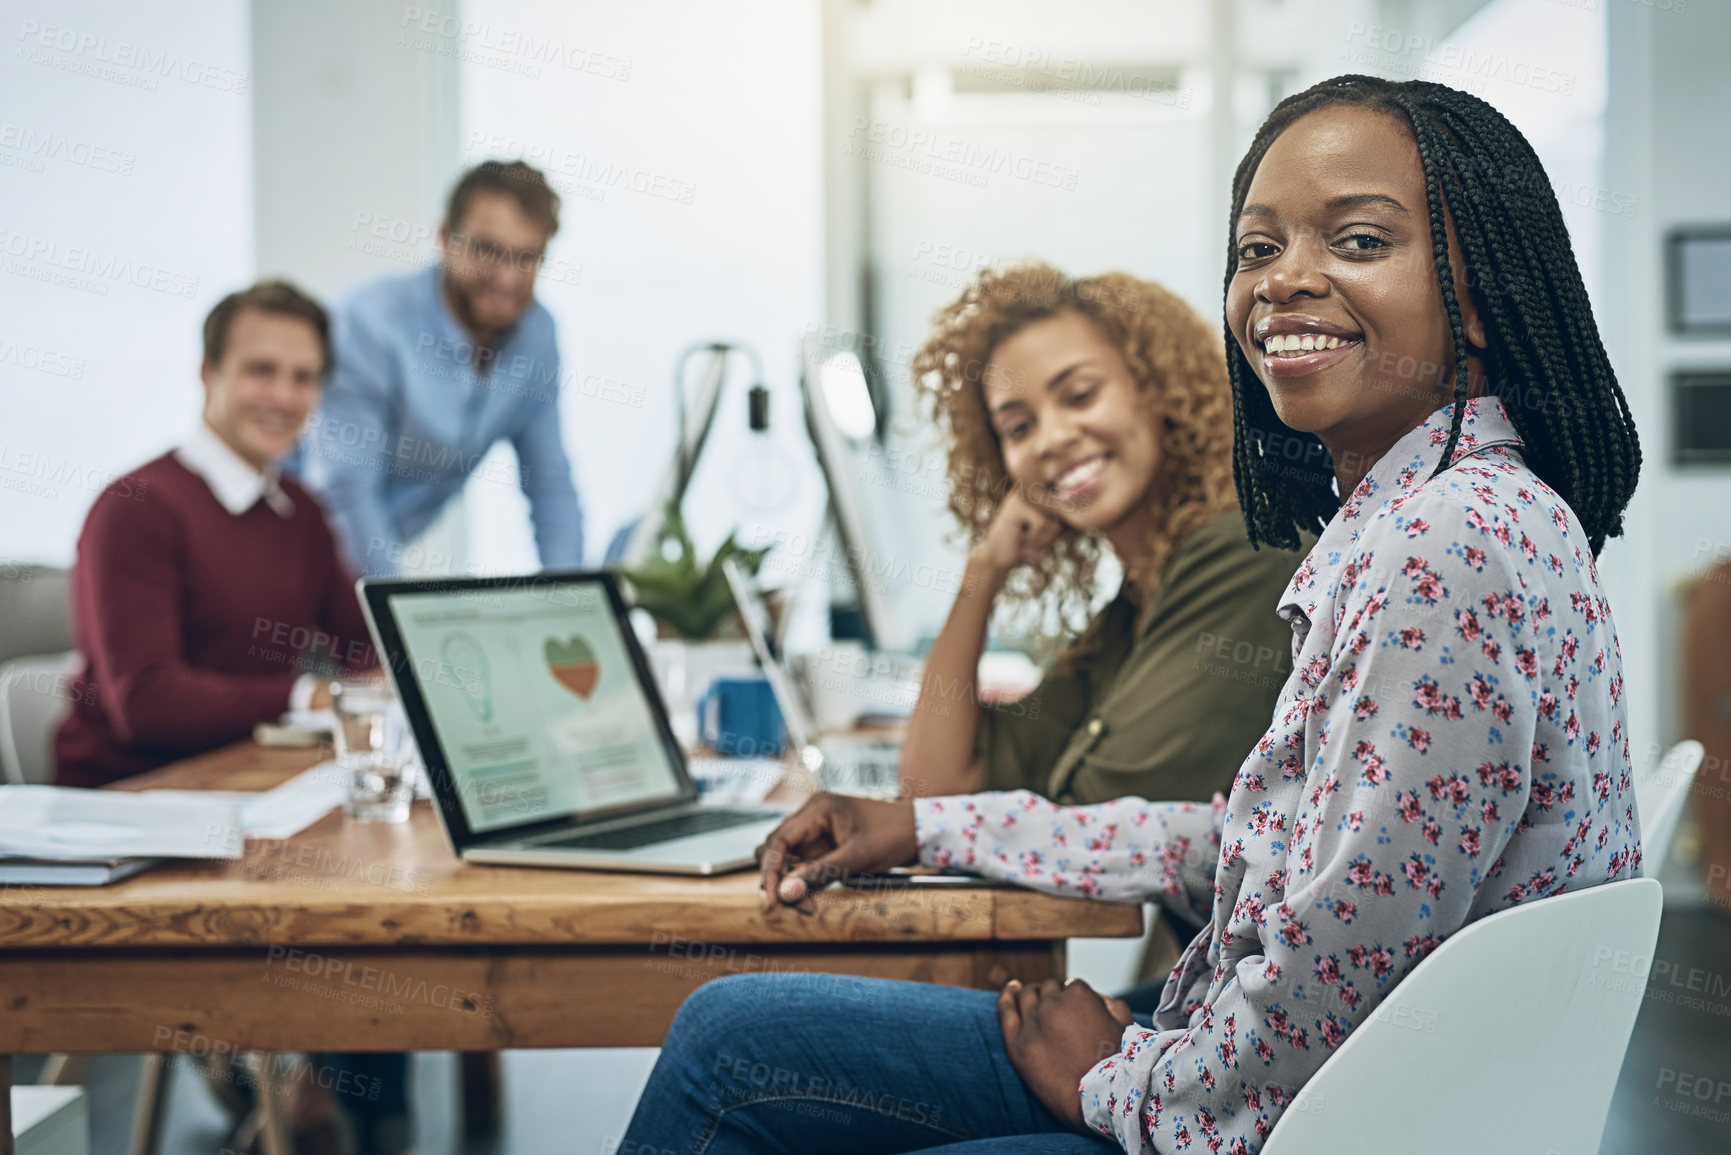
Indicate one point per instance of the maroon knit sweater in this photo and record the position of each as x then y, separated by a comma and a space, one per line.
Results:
194, 623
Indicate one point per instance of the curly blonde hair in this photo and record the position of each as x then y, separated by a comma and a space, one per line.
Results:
1179, 366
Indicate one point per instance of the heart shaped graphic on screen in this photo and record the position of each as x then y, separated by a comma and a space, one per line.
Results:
573, 663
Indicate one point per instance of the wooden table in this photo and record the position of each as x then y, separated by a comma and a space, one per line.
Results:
358, 937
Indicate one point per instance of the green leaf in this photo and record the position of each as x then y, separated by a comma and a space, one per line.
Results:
692, 601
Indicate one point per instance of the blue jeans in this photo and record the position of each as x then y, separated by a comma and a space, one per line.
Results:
799, 1063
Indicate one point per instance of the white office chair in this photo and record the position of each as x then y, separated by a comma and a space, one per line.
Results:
50, 1121
35, 694
35, 610
1660, 792
1512, 1032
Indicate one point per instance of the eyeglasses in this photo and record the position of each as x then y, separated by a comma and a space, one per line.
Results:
475, 248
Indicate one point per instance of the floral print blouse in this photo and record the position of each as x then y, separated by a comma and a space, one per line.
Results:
1452, 741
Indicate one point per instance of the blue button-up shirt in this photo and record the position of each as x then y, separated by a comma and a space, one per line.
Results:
406, 420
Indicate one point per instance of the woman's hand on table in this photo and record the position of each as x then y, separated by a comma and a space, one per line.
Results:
830, 836
1055, 1033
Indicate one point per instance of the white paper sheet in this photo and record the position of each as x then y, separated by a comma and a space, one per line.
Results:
297, 803
72, 823
735, 781
286, 810
310, 721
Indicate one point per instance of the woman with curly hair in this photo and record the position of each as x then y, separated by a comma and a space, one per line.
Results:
1085, 417
1417, 374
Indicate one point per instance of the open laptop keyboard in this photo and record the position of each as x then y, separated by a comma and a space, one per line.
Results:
700, 821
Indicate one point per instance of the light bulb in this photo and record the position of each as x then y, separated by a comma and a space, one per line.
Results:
465, 665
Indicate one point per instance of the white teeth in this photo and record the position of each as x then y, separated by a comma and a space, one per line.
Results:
1296, 343
1079, 475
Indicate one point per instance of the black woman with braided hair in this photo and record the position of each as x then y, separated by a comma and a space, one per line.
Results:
1417, 375
1513, 318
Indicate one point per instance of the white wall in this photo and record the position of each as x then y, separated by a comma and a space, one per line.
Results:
355, 141
1668, 142
125, 214
975, 134
684, 139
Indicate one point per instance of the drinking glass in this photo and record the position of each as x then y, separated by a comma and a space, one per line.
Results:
373, 751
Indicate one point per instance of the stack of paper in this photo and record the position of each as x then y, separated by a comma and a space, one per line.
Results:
63, 822
63, 836
82, 872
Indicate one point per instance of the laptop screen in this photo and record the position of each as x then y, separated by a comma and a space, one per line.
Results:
534, 700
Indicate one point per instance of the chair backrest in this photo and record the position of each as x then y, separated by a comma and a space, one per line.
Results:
1660, 791
35, 694
1509, 1037
35, 611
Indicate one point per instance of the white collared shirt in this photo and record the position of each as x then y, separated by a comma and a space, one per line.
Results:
234, 482
238, 487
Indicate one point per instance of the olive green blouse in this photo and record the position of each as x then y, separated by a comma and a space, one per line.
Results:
1169, 714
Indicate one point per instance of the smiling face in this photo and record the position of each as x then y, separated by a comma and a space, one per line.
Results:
1334, 300
259, 396
491, 259
1076, 433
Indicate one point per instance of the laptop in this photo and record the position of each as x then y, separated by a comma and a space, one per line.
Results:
862, 765
543, 731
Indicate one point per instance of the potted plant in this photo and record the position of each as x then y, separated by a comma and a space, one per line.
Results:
689, 600
700, 637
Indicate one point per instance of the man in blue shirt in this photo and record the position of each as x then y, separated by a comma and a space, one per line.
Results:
433, 369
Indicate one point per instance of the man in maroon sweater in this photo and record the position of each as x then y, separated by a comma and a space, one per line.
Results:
207, 586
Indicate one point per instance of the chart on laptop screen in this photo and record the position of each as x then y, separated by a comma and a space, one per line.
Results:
535, 702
